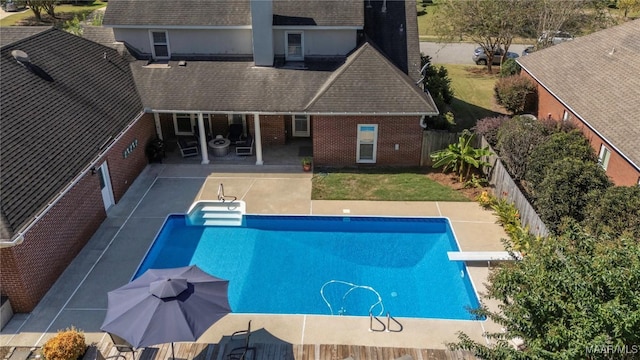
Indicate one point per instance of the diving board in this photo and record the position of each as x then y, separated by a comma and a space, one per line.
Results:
483, 256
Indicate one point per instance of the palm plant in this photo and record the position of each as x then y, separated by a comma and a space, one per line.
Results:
461, 156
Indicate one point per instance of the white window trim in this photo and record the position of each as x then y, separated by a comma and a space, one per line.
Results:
566, 116
153, 47
192, 117
286, 46
295, 133
604, 156
375, 145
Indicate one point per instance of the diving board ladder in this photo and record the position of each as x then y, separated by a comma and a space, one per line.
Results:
217, 213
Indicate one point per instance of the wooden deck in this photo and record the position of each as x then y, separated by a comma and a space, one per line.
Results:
196, 351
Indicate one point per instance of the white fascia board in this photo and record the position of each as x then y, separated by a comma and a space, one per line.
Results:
312, 27
181, 27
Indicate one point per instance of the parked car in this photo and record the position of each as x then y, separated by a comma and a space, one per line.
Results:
480, 58
528, 50
554, 37
13, 5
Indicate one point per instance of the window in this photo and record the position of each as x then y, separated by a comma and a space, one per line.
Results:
566, 116
294, 46
300, 125
160, 44
183, 123
367, 143
603, 158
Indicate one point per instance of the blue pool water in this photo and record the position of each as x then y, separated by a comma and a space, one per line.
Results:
325, 264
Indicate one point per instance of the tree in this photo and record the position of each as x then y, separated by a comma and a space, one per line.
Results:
516, 140
489, 23
461, 156
514, 93
566, 188
38, 6
437, 82
615, 212
558, 146
628, 6
569, 298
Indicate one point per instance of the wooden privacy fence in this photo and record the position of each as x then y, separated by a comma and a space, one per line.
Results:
503, 184
505, 187
433, 141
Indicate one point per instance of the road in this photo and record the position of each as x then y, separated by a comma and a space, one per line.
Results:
456, 53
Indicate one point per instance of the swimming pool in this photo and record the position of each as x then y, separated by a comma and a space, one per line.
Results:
325, 265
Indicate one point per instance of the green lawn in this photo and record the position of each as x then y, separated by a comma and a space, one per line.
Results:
63, 13
394, 185
473, 91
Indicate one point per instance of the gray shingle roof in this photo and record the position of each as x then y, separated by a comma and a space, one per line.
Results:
51, 130
231, 12
320, 13
366, 83
598, 77
12, 34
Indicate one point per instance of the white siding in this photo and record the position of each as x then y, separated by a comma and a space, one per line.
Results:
188, 41
320, 42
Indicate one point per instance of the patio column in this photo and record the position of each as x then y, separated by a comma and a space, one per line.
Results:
156, 118
203, 140
256, 124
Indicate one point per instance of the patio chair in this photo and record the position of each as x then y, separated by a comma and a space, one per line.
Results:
241, 352
236, 133
188, 147
245, 147
122, 346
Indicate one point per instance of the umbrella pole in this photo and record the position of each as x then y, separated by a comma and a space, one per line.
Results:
173, 355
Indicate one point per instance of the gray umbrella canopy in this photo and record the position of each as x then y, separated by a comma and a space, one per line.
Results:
166, 305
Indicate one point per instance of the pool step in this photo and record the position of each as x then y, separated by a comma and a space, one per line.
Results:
217, 213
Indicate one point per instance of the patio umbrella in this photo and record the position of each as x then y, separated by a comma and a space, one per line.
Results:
166, 305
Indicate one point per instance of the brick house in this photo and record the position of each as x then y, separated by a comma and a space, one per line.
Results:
341, 73
594, 82
72, 137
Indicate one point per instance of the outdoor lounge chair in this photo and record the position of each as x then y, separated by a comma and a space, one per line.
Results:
121, 346
188, 147
236, 133
241, 352
245, 147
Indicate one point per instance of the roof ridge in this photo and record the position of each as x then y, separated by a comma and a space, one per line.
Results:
336, 74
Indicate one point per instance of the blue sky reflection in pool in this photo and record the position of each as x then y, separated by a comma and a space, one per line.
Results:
325, 265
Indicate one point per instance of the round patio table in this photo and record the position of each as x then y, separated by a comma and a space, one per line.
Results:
219, 145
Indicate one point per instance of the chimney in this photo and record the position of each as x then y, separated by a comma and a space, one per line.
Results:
261, 27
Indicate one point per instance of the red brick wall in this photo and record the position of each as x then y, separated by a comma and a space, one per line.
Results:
619, 170
28, 270
272, 129
335, 140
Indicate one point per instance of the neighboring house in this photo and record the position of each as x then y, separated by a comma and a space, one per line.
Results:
594, 81
72, 140
282, 69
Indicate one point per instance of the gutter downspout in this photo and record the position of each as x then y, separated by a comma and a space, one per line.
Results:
18, 238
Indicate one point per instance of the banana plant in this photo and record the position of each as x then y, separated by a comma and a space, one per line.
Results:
461, 156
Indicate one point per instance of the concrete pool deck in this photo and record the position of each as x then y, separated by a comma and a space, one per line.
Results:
112, 255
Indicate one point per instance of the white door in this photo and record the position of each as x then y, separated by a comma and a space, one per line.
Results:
300, 125
105, 186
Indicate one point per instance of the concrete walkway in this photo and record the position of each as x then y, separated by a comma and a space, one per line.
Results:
112, 255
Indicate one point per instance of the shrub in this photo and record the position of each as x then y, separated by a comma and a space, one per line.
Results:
68, 344
461, 156
509, 217
553, 126
509, 67
514, 93
566, 188
516, 140
615, 212
489, 126
557, 147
